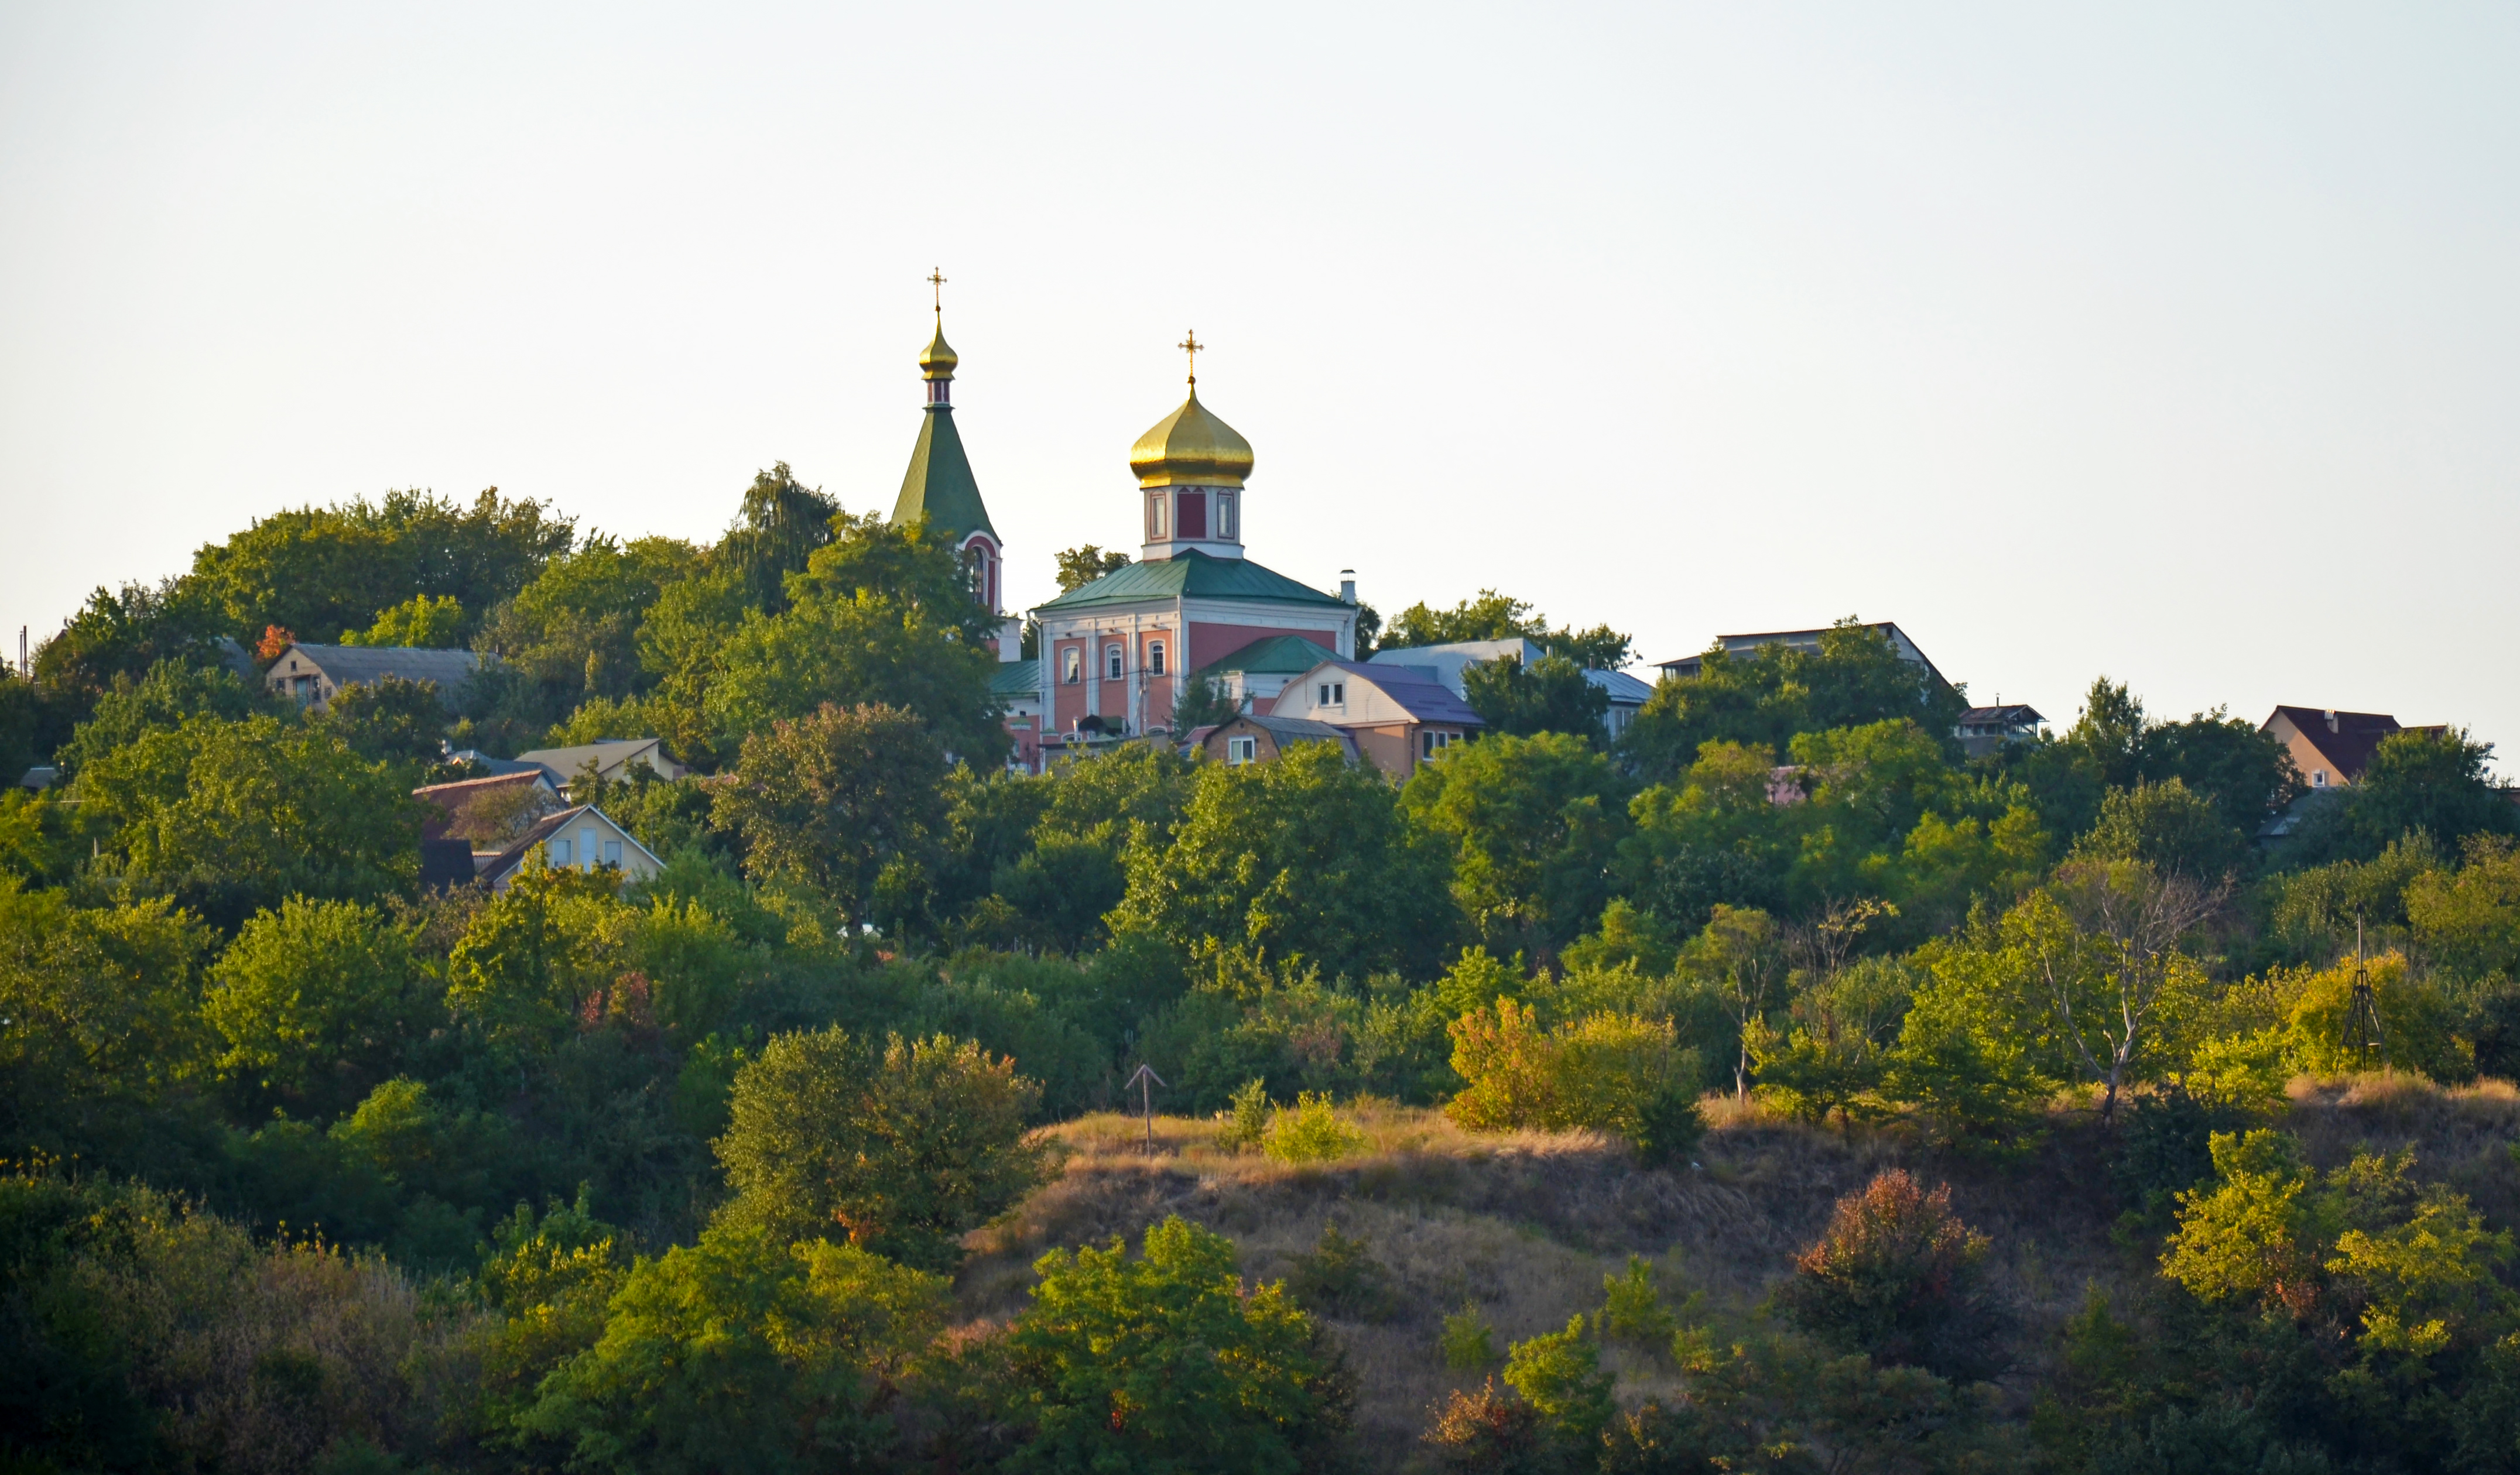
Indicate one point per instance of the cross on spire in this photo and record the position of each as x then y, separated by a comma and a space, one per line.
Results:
1191, 345
937, 280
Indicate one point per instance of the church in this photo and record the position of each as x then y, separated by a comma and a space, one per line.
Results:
1115, 654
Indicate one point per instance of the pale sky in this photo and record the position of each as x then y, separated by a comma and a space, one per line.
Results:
2178, 342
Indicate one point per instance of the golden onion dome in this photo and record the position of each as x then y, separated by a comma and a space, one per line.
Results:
938, 360
1190, 447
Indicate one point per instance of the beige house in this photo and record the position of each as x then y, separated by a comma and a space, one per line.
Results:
2333, 748
612, 759
581, 838
313, 675
1248, 738
1397, 716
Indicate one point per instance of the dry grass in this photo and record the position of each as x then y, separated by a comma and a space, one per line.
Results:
1526, 1225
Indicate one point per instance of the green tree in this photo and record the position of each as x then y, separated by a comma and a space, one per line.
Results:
1553, 695
830, 799
744, 1353
422, 621
2168, 826
572, 633
2418, 780
1167, 1364
1854, 677
900, 1150
120, 636
319, 569
1080, 566
233, 816
103, 1008
1559, 1375
316, 1003
1494, 616
390, 720
1305, 859
1533, 824
171, 692
782, 525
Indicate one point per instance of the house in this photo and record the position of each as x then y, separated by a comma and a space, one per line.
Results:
1254, 739
1986, 729
612, 760
1447, 662
1397, 716
2333, 748
313, 675
1689, 667
578, 839
500, 802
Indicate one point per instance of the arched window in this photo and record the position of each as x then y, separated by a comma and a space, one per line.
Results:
1112, 663
1075, 667
1155, 658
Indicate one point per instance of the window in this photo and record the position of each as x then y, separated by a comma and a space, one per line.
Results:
558, 852
1155, 657
1225, 515
1074, 671
1333, 694
1431, 743
2318, 777
1112, 663
612, 853
1156, 517
1190, 513
1239, 750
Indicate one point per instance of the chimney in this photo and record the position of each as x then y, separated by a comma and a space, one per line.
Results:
1348, 585
2331, 719
1009, 640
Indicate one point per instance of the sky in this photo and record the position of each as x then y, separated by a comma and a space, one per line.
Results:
2178, 343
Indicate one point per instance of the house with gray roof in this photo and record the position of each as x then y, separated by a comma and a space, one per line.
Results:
313, 675
1446, 663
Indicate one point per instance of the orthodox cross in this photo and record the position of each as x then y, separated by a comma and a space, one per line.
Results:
1146, 1099
937, 280
1191, 345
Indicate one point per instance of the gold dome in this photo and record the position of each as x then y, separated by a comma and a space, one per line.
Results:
938, 361
1190, 447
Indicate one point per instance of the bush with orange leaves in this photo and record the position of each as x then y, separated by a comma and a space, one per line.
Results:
1900, 1276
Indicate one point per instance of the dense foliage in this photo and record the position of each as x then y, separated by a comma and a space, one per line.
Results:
316, 1169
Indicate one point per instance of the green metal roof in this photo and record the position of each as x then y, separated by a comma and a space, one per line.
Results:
1197, 575
1016, 678
939, 486
1274, 655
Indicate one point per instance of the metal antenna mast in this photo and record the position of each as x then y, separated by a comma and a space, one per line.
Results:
2363, 1034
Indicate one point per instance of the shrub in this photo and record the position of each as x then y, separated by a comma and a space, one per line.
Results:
1248, 1118
1632, 1311
1559, 1373
1485, 1433
1310, 1131
1338, 1278
2416, 1019
1604, 1071
900, 1150
1898, 1275
1468, 1342
1169, 1362
1669, 1127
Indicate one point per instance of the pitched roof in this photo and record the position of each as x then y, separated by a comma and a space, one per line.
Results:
1690, 666
1197, 575
366, 665
2351, 745
448, 799
1016, 678
563, 763
550, 825
1422, 696
2011, 712
939, 487
1269, 655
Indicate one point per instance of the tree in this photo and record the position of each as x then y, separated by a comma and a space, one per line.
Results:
741, 1352
572, 633
1552, 696
784, 524
390, 720
881, 615
1080, 566
1306, 858
104, 1008
172, 691
320, 569
1605, 1072
1900, 1276
422, 621
233, 816
2417, 782
1535, 823
1168, 1364
829, 800
1204, 703
1494, 616
120, 636
1737, 954
899, 1150
317, 1002
2110, 958
1854, 677
2168, 826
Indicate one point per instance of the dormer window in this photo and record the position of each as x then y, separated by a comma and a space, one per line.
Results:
1330, 693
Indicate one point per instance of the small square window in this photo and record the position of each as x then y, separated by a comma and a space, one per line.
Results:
1239, 750
558, 852
612, 853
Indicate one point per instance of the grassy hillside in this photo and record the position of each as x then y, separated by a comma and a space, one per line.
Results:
1526, 1226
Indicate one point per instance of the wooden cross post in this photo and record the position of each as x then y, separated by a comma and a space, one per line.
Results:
1147, 1099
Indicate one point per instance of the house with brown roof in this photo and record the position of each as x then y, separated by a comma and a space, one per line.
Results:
1397, 716
2332, 747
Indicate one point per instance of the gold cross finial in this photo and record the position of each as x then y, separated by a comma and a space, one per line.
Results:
1191, 345
937, 280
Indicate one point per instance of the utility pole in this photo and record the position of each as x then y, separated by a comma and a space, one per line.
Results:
1145, 1080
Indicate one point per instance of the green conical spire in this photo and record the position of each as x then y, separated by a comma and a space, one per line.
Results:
939, 486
